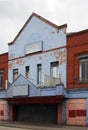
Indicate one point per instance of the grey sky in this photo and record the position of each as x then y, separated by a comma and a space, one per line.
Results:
14, 13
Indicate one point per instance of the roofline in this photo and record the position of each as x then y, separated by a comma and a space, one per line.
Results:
6, 53
77, 33
41, 18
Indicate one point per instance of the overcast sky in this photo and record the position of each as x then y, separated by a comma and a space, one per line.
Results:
14, 14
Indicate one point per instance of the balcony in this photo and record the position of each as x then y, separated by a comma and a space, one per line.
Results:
22, 87
50, 81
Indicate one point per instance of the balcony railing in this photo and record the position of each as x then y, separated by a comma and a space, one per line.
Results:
50, 81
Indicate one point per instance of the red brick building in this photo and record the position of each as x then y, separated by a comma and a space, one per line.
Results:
77, 60
3, 70
77, 78
3, 84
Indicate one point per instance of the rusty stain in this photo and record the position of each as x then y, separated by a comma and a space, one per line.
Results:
60, 77
62, 60
19, 62
10, 66
61, 55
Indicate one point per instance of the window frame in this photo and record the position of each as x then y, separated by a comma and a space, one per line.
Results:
27, 72
52, 65
39, 74
15, 73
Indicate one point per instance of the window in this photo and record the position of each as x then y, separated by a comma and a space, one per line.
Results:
2, 113
15, 74
77, 113
27, 72
54, 69
83, 69
39, 73
1, 79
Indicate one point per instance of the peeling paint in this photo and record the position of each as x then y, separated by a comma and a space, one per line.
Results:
11, 56
61, 56
60, 77
53, 46
20, 62
62, 60
10, 65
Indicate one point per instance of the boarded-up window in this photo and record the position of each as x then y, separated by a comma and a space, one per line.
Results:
81, 112
72, 113
2, 113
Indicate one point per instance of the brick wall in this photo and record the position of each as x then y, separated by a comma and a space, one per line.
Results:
4, 67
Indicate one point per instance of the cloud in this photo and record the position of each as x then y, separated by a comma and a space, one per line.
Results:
14, 13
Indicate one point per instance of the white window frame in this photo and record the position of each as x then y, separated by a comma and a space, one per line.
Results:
15, 74
54, 66
39, 74
27, 72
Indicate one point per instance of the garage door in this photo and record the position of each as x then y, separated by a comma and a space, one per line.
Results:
37, 113
76, 112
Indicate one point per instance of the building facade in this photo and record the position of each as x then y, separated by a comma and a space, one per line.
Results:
37, 72
3, 83
47, 71
77, 78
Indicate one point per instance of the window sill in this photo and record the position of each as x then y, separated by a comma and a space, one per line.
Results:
83, 81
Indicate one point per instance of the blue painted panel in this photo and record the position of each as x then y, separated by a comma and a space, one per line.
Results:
78, 93
48, 91
2, 94
64, 111
52, 91
8, 111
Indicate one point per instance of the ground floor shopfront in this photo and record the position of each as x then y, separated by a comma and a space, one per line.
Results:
46, 110
50, 110
23, 101
37, 110
26, 102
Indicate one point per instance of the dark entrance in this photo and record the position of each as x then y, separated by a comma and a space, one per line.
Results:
37, 113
